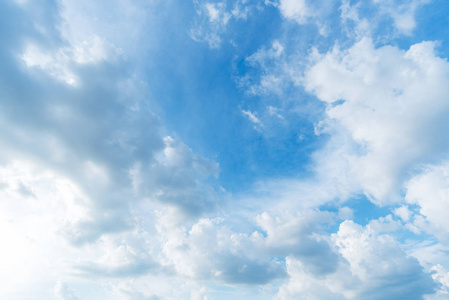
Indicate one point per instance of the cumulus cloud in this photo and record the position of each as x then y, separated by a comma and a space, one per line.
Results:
298, 11
373, 266
376, 259
440, 275
82, 155
230, 257
301, 237
96, 134
403, 212
393, 101
119, 256
429, 190
385, 108
58, 63
305, 12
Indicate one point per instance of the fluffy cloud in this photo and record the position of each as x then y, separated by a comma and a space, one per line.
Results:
391, 104
301, 284
372, 266
299, 236
82, 153
430, 190
69, 129
377, 259
230, 257
296, 10
305, 12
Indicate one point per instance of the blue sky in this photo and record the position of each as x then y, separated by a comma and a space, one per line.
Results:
224, 149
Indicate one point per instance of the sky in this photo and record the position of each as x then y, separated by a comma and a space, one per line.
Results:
224, 149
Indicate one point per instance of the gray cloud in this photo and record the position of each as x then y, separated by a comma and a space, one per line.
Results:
85, 120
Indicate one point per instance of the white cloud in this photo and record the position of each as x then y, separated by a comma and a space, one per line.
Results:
403, 212
307, 12
213, 19
369, 263
355, 25
301, 284
119, 27
440, 275
272, 77
297, 10
273, 111
377, 259
386, 110
54, 66
81, 163
230, 256
402, 12
299, 236
217, 13
90, 165
430, 190
394, 101
252, 117
363, 18
209, 31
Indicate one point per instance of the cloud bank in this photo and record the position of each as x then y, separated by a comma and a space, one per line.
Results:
340, 101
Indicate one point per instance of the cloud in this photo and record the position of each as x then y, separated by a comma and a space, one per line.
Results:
252, 118
214, 18
429, 190
403, 212
299, 236
217, 17
296, 10
58, 64
301, 284
265, 60
80, 157
393, 102
402, 12
95, 132
364, 249
62, 291
304, 12
230, 257
99, 200
354, 24
125, 255
373, 266
369, 18
440, 275
129, 291
175, 178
